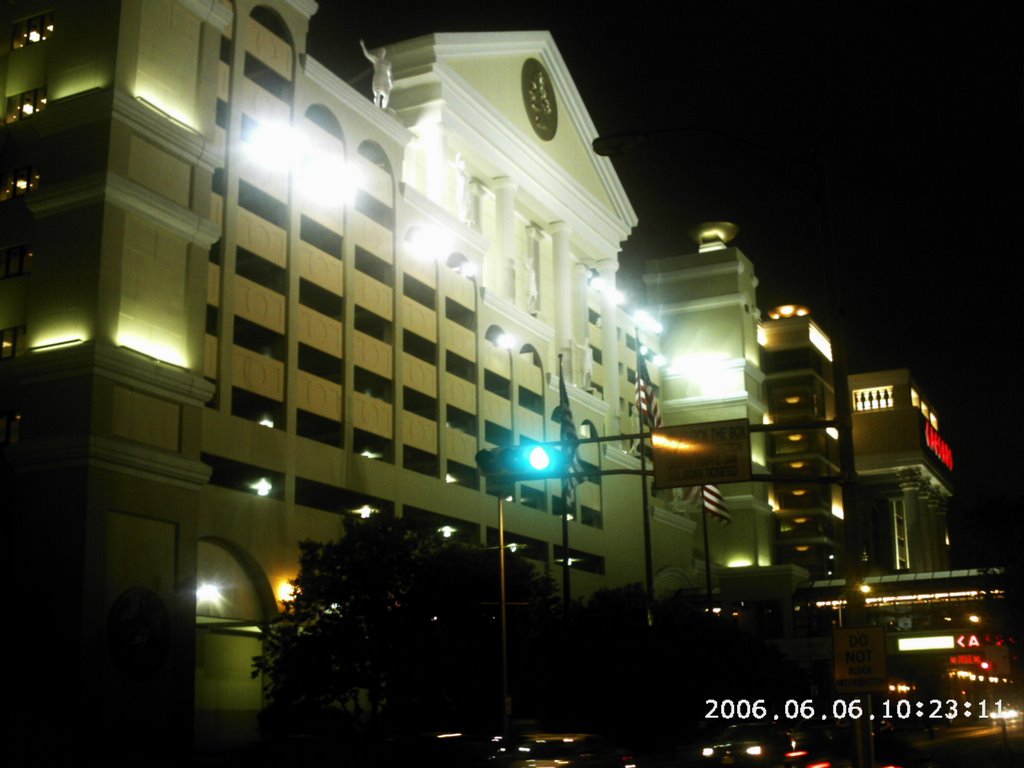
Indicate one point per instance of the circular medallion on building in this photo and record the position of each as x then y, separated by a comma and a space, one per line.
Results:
138, 632
539, 99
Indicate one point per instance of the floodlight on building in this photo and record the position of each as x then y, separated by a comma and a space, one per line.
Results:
785, 311
713, 235
974, 618
365, 511
739, 563
429, 243
646, 322
285, 591
468, 269
505, 341
273, 145
266, 421
832, 432
263, 487
446, 531
820, 341
208, 593
865, 588
327, 179
151, 347
55, 342
450, 478
156, 103
659, 360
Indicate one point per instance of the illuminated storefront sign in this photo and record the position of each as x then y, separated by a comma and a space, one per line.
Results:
938, 446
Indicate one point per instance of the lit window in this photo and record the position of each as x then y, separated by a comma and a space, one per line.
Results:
32, 30
9, 342
25, 105
18, 182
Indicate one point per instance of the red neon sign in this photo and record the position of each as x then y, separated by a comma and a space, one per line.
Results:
939, 446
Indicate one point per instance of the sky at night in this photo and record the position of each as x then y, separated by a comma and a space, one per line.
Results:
918, 116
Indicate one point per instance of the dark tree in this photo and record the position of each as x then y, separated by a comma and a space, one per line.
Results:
388, 632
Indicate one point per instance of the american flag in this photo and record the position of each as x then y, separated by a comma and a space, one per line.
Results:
570, 443
646, 400
714, 504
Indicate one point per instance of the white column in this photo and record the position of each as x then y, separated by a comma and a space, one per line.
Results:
579, 341
610, 343
505, 213
909, 484
535, 295
435, 148
560, 236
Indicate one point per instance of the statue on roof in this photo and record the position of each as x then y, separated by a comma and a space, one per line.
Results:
382, 81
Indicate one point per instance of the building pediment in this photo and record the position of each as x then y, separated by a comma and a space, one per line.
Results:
508, 100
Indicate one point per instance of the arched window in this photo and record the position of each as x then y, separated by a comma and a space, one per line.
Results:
322, 117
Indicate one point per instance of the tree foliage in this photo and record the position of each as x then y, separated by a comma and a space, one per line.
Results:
388, 630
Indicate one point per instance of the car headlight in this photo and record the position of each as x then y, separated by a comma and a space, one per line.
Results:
754, 750
707, 751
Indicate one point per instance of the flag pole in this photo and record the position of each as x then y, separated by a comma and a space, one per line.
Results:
707, 549
648, 558
566, 588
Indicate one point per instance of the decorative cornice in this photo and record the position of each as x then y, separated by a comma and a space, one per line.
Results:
213, 12
697, 272
165, 132
577, 395
428, 208
112, 454
674, 520
118, 364
618, 457
103, 104
514, 314
904, 466
669, 407
702, 304
357, 102
735, 364
306, 7
116, 190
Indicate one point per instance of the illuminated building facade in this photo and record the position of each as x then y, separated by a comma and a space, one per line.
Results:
904, 471
241, 302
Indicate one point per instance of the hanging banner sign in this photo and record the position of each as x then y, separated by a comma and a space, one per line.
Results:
701, 454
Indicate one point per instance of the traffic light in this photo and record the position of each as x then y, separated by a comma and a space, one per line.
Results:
523, 462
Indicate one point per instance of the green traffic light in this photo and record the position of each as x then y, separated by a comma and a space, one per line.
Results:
539, 459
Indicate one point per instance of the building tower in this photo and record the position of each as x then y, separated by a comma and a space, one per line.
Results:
797, 361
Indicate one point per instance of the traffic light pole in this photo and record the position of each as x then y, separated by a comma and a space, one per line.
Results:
506, 703
648, 555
